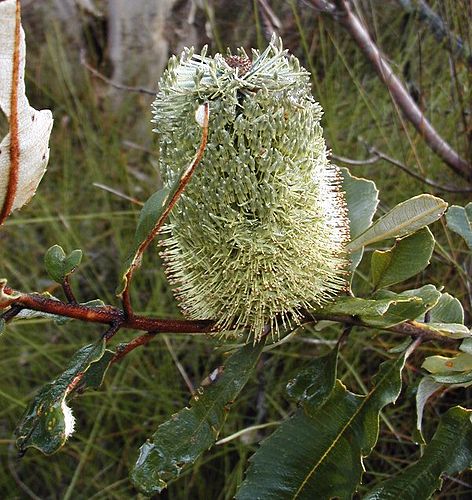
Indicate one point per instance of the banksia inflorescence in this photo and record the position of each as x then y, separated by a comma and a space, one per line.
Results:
259, 233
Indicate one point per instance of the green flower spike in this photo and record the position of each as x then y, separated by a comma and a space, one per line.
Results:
260, 232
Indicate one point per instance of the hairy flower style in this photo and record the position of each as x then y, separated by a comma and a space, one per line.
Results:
259, 233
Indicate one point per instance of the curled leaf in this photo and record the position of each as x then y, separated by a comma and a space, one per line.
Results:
24, 151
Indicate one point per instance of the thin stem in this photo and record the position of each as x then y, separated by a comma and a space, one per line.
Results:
342, 12
68, 290
124, 349
119, 86
377, 155
174, 196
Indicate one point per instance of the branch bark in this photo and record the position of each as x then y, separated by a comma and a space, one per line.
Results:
116, 317
342, 12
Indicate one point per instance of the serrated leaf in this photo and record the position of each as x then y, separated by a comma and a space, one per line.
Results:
405, 259
179, 441
459, 220
404, 219
426, 388
34, 127
449, 452
362, 199
43, 425
318, 452
59, 265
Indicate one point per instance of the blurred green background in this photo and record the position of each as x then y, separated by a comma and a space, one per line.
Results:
102, 140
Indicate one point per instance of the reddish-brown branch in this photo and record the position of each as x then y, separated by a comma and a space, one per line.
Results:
342, 13
68, 290
106, 315
14, 171
184, 180
116, 318
124, 349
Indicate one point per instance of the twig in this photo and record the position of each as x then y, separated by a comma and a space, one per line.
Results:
124, 349
14, 473
14, 170
424, 180
119, 86
341, 11
174, 196
118, 193
68, 290
368, 161
9, 314
439, 28
272, 23
377, 155
179, 366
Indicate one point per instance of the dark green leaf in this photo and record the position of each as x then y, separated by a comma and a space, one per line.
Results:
43, 424
2, 326
313, 385
150, 214
318, 452
361, 199
406, 218
408, 257
449, 452
182, 439
459, 220
93, 377
72, 261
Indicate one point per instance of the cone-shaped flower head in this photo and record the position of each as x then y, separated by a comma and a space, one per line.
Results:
259, 233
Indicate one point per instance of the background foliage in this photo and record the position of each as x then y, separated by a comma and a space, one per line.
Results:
103, 136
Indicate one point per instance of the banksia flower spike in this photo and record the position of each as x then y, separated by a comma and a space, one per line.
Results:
259, 233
